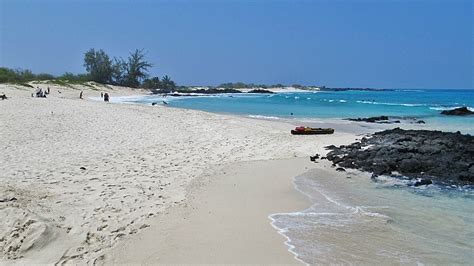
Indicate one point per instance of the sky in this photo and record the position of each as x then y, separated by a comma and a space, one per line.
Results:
352, 43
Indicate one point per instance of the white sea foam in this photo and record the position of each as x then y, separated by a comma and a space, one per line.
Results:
393, 104
405, 90
442, 108
283, 232
264, 117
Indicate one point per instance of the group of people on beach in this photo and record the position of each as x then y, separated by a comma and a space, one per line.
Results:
40, 93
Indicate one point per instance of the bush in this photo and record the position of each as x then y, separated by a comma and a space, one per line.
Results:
21, 76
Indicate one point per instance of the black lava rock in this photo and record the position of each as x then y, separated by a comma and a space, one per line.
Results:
374, 119
423, 182
447, 158
458, 111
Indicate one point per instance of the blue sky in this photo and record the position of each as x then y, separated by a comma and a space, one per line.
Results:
389, 44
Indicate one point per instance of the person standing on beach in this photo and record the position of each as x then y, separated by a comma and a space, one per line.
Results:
80, 94
106, 97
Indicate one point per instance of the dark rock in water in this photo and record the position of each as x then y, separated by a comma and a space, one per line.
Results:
82, 168
383, 119
374, 119
260, 91
423, 182
420, 122
458, 111
447, 158
340, 169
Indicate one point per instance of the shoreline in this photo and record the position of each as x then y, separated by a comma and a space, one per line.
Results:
225, 219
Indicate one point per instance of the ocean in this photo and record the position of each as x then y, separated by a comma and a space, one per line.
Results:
357, 220
419, 104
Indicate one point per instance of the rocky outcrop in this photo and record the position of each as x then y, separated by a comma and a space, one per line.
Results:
383, 119
261, 91
458, 111
428, 156
374, 119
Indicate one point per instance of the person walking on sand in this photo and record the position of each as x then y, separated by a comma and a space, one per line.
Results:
101, 95
106, 97
80, 94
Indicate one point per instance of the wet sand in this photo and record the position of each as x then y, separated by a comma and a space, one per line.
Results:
225, 219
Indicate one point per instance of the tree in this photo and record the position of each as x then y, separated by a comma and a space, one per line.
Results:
99, 66
167, 83
119, 71
25, 75
137, 68
152, 84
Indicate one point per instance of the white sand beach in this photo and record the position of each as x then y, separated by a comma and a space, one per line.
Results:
84, 181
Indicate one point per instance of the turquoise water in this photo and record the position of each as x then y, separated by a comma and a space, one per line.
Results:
358, 221
420, 104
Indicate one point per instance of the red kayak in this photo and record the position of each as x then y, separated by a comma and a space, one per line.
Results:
311, 131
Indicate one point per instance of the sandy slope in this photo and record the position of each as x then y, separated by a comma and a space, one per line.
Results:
138, 161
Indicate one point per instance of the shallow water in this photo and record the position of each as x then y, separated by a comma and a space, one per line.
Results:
420, 104
355, 220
